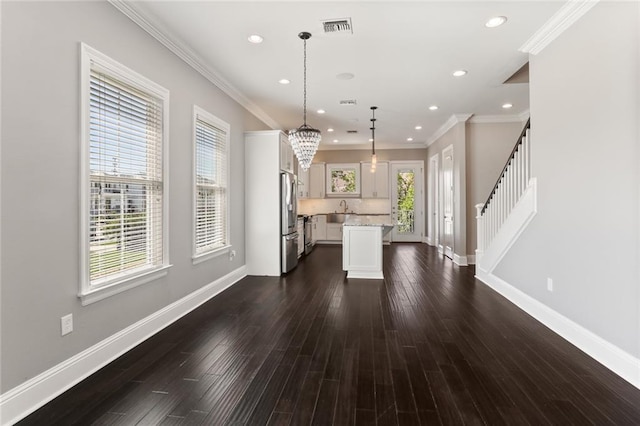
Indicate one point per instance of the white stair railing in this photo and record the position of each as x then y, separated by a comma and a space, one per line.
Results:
506, 193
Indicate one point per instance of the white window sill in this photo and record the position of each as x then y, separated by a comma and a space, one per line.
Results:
96, 294
203, 257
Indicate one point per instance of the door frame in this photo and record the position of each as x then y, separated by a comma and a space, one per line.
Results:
419, 207
441, 248
433, 207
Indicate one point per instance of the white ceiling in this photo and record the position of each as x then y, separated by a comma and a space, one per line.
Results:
401, 53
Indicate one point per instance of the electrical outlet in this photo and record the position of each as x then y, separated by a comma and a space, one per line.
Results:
232, 254
66, 324
549, 284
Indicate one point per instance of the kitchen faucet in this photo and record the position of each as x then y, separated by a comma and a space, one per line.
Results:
345, 205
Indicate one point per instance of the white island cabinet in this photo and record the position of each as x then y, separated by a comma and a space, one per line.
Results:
362, 245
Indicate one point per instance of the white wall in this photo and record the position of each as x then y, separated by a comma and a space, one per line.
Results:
584, 120
40, 180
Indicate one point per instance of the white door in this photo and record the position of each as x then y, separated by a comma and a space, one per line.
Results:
406, 200
447, 202
434, 201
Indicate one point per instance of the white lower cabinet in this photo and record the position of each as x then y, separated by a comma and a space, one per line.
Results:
319, 230
334, 232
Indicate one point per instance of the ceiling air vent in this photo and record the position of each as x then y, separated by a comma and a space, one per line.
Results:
337, 26
348, 102
352, 131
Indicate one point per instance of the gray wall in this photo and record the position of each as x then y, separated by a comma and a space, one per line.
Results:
488, 148
357, 155
40, 178
585, 154
455, 136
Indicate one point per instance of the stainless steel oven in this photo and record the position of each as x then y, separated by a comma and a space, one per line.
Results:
308, 234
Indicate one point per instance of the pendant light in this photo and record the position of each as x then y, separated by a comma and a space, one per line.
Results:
305, 139
374, 159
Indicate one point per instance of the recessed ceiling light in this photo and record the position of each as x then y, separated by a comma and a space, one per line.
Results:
335, 141
409, 139
345, 76
321, 111
459, 73
329, 130
284, 81
507, 106
433, 107
370, 140
418, 127
496, 21
255, 39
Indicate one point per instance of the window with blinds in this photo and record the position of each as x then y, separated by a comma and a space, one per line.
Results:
125, 183
211, 205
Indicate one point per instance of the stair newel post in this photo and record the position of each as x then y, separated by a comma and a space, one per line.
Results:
481, 232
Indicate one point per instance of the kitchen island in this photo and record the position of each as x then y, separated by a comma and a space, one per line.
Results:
362, 245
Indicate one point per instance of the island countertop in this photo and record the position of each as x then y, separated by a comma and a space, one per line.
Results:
368, 220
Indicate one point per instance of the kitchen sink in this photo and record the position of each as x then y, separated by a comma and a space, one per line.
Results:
336, 217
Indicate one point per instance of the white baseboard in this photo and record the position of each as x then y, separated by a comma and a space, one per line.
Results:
27, 397
471, 259
615, 359
460, 260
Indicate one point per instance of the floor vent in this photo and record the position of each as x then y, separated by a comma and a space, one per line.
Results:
338, 26
348, 102
352, 131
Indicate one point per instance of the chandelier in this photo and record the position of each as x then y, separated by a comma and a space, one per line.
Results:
305, 139
374, 159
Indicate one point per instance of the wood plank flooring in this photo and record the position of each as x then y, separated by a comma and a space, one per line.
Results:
429, 345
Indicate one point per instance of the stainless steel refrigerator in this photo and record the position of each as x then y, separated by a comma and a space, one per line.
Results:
288, 225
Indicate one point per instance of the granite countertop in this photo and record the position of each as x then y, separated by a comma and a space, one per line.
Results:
368, 220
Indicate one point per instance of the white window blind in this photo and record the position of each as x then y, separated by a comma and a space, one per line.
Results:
126, 179
210, 183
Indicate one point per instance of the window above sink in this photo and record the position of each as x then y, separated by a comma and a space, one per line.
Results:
343, 180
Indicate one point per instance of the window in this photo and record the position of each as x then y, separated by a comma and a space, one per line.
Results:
343, 180
123, 188
211, 230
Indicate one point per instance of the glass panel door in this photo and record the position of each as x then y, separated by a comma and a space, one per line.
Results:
406, 202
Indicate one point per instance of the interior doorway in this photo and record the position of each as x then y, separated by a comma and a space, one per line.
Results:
448, 222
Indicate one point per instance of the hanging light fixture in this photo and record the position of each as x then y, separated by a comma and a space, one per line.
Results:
374, 159
305, 139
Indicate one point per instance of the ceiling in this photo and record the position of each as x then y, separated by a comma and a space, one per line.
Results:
401, 55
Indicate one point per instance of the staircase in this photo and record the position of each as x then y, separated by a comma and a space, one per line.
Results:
509, 208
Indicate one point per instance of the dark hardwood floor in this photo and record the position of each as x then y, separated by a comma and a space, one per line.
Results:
428, 345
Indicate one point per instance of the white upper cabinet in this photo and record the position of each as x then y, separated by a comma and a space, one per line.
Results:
286, 154
303, 183
375, 185
316, 181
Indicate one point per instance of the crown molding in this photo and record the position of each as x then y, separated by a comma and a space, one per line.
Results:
452, 121
367, 147
191, 58
566, 16
476, 119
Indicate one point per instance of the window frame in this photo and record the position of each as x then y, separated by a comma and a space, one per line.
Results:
90, 293
342, 167
210, 119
